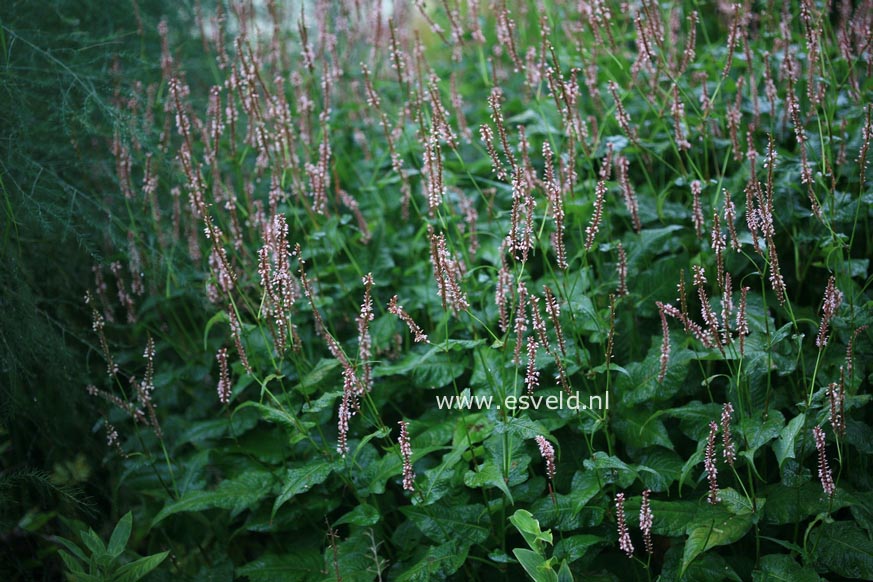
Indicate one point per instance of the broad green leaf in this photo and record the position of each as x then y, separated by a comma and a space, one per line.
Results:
758, 432
784, 446
436, 563
844, 549
694, 418
535, 565
710, 566
487, 474
438, 371
273, 414
300, 479
378, 434
614, 469
782, 568
584, 487
713, 526
640, 428
120, 535
737, 503
236, 495
786, 505
324, 401
300, 565
354, 560
323, 371
574, 547
363, 515
564, 574
673, 517
668, 465
641, 386
468, 524
530, 530
137, 569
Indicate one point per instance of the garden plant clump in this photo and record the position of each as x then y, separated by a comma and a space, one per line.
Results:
358, 259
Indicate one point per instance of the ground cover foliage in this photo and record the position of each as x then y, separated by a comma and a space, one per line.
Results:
324, 218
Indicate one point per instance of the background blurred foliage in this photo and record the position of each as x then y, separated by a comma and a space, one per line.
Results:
60, 67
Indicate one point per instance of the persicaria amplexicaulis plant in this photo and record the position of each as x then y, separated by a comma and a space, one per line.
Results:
326, 221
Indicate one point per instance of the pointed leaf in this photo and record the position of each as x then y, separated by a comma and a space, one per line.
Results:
301, 479
138, 569
120, 535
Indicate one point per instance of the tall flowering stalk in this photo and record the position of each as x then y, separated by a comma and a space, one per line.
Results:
224, 385
553, 310
624, 540
709, 463
730, 452
833, 298
824, 470
696, 208
622, 169
621, 269
532, 377
406, 453
742, 321
448, 272
837, 400
665, 342
520, 321
597, 216
646, 521
347, 408
365, 343
395, 309
548, 453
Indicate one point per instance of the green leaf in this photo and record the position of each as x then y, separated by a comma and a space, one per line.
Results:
488, 474
323, 371
522, 427
535, 565
758, 432
784, 446
564, 574
639, 428
71, 563
737, 503
713, 526
74, 549
300, 479
437, 371
120, 535
530, 530
786, 505
573, 548
467, 524
437, 563
220, 316
237, 494
273, 414
673, 516
138, 569
585, 486
782, 568
844, 549
300, 566
94, 544
363, 515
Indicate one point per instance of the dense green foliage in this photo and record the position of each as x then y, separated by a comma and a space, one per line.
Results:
665, 205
